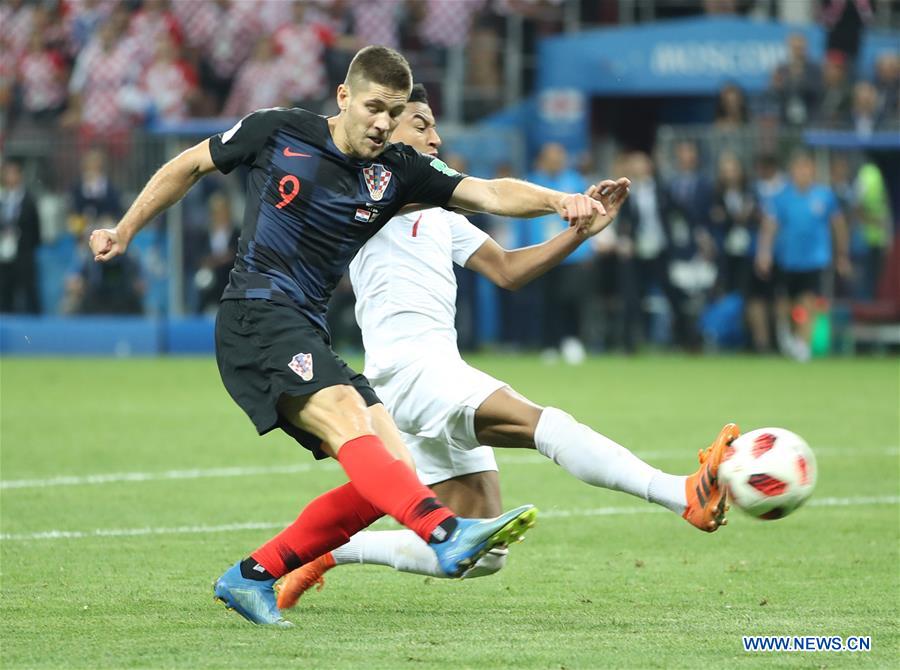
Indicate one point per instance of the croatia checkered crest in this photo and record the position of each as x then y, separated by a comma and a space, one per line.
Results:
768, 472
377, 179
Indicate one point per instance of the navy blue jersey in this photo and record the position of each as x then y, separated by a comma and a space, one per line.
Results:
310, 207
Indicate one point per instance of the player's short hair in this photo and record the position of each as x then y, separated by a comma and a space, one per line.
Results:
382, 66
418, 94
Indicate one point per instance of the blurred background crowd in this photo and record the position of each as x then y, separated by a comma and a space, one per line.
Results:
737, 234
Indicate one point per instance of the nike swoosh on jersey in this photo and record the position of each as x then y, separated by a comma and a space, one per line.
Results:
295, 154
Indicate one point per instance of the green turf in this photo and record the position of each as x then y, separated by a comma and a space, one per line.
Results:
584, 591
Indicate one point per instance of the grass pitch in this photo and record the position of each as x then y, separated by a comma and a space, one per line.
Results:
603, 581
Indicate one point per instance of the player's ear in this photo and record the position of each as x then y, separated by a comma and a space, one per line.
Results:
343, 97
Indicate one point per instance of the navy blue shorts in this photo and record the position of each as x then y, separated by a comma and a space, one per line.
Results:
266, 350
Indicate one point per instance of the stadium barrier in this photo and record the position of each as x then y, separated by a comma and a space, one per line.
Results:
105, 336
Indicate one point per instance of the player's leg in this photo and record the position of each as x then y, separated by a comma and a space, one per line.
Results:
338, 416
312, 394
507, 419
476, 493
330, 520
386, 429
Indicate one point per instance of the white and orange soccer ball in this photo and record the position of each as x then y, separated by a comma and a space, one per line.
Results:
768, 472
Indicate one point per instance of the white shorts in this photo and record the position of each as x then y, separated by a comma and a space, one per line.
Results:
433, 402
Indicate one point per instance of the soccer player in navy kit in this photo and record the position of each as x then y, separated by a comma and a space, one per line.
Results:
319, 188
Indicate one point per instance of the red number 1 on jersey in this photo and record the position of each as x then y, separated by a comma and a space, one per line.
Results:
288, 196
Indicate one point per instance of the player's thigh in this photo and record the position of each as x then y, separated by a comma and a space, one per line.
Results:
276, 364
475, 495
507, 419
386, 430
335, 414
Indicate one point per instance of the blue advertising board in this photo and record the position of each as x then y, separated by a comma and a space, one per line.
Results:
675, 58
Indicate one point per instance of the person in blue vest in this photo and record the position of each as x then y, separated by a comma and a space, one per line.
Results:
796, 241
561, 297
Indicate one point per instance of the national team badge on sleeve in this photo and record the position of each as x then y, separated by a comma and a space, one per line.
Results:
377, 179
302, 364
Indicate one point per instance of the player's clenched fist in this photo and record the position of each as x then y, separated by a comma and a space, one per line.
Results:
106, 244
580, 209
611, 194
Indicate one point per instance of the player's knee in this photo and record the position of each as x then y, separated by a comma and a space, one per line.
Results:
337, 414
489, 564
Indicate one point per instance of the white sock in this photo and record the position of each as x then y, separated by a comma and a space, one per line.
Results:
405, 551
597, 460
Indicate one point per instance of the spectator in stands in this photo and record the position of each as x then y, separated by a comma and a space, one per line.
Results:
562, 293
20, 236
646, 248
689, 189
840, 180
83, 20
866, 116
731, 131
42, 74
168, 85
796, 85
224, 31
734, 219
95, 202
46, 19
16, 23
761, 288
796, 241
720, 7
263, 81
149, 24
116, 287
731, 108
216, 250
302, 45
875, 220
105, 68
835, 100
355, 23
484, 78
7, 86
887, 82
442, 25
845, 21
375, 22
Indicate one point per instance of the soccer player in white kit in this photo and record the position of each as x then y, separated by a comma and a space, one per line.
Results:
447, 410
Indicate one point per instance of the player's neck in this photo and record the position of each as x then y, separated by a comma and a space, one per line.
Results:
339, 135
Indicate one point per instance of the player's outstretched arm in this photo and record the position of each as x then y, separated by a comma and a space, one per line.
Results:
165, 188
512, 269
520, 199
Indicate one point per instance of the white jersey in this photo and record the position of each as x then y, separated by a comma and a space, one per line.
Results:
406, 290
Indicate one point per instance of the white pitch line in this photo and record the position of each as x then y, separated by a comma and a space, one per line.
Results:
116, 477
269, 525
506, 458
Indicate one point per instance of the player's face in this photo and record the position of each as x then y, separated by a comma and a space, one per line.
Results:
417, 129
371, 113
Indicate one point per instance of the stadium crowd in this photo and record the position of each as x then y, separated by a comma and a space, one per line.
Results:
711, 236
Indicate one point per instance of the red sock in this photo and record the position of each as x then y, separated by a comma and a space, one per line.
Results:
324, 524
391, 485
